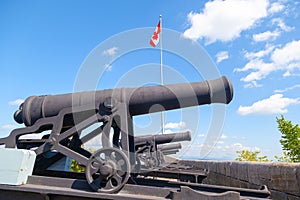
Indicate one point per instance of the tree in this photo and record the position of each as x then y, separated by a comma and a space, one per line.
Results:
246, 155
290, 139
75, 167
284, 158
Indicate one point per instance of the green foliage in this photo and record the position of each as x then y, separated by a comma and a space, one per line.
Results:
75, 167
246, 155
290, 139
284, 158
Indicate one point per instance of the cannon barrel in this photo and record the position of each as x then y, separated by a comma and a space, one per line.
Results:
167, 147
162, 139
170, 152
140, 101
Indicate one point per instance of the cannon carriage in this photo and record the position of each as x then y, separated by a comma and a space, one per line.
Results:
109, 168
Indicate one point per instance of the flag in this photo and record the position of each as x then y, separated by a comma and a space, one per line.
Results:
155, 37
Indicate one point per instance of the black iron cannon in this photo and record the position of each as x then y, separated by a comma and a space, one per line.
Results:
150, 149
139, 100
68, 115
167, 147
162, 139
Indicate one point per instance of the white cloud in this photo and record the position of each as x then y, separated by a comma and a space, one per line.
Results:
275, 8
168, 131
288, 55
172, 125
262, 70
288, 88
225, 20
286, 59
260, 54
110, 52
107, 67
287, 74
223, 137
252, 84
220, 142
8, 127
275, 104
221, 151
94, 143
282, 25
238, 146
222, 55
16, 102
266, 36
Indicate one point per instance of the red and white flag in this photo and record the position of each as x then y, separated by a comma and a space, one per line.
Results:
155, 37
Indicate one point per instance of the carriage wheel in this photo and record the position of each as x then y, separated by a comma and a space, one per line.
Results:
108, 170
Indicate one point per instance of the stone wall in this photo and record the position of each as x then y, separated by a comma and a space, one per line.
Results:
283, 180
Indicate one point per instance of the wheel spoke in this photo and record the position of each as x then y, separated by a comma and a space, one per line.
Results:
93, 170
108, 185
105, 139
95, 166
118, 178
121, 172
121, 163
96, 162
114, 158
107, 154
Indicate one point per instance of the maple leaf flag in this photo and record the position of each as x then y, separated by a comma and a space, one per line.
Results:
155, 37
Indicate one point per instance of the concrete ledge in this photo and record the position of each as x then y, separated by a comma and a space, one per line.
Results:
16, 165
282, 179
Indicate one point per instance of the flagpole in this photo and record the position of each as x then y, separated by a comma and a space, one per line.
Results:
161, 75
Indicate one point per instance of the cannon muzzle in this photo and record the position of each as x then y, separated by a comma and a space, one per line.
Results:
140, 101
167, 147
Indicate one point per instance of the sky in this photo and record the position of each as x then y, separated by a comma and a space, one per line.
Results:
45, 47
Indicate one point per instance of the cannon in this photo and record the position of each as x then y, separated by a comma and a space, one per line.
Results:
150, 149
67, 116
167, 147
139, 100
162, 139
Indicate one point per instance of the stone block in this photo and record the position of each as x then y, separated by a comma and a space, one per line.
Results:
259, 173
253, 174
16, 165
212, 166
284, 178
264, 174
234, 170
228, 168
243, 171
235, 182
276, 195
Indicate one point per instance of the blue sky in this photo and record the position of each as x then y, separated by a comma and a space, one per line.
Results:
255, 43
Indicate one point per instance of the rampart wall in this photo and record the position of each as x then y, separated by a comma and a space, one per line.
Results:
282, 179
